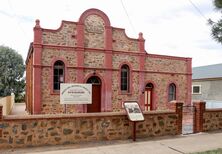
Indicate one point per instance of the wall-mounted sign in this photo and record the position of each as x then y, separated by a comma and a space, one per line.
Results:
133, 111
75, 93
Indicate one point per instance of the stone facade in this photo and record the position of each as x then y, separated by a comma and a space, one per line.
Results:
212, 120
63, 36
39, 130
121, 42
91, 47
94, 32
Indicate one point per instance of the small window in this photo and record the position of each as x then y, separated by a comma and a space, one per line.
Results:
125, 74
58, 74
172, 92
196, 89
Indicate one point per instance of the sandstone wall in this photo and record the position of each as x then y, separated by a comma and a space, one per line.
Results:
94, 32
29, 85
161, 83
165, 65
94, 59
122, 43
50, 99
212, 120
48, 55
64, 36
119, 59
118, 97
45, 130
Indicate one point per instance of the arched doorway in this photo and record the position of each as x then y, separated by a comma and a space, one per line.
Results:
96, 94
148, 97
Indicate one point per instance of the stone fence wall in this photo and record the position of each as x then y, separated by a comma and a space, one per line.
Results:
37, 130
212, 120
208, 119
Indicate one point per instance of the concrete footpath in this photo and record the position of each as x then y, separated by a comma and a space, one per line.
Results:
159, 145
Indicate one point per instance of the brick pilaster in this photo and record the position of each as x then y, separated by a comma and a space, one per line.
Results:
198, 116
1, 118
1, 112
177, 106
179, 111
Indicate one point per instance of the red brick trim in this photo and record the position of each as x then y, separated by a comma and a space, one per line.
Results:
189, 81
124, 32
133, 53
213, 110
198, 117
1, 112
78, 115
178, 108
37, 54
113, 69
96, 12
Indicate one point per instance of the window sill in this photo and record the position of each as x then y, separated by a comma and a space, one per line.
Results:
55, 92
125, 93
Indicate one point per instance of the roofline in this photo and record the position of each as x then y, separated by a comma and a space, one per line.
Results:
208, 79
30, 50
207, 65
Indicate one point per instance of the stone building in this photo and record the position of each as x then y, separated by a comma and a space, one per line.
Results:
119, 68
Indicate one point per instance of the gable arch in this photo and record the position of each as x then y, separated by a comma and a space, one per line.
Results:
94, 11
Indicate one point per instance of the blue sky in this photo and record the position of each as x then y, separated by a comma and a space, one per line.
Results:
170, 27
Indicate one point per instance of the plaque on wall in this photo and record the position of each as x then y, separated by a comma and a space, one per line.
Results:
133, 111
74, 93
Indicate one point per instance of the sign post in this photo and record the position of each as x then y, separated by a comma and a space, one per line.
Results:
75, 93
134, 114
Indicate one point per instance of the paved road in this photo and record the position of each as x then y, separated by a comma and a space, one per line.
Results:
160, 145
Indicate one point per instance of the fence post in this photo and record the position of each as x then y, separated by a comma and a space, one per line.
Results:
177, 106
1, 118
1, 112
200, 107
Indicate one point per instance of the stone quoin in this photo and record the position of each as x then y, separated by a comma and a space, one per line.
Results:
119, 68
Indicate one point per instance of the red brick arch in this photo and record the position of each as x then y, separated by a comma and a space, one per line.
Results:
95, 12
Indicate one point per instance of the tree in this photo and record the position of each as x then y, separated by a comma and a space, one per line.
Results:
216, 29
12, 70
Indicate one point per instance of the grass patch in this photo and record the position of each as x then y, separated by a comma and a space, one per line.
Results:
217, 151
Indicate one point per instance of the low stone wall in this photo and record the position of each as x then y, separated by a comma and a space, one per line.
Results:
37, 130
212, 119
207, 119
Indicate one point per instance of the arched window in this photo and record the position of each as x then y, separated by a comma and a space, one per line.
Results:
94, 80
125, 75
58, 74
172, 92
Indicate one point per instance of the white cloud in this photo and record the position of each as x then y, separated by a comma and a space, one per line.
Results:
169, 27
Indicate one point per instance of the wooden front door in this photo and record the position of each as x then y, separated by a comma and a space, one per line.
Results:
96, 95
148, 97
